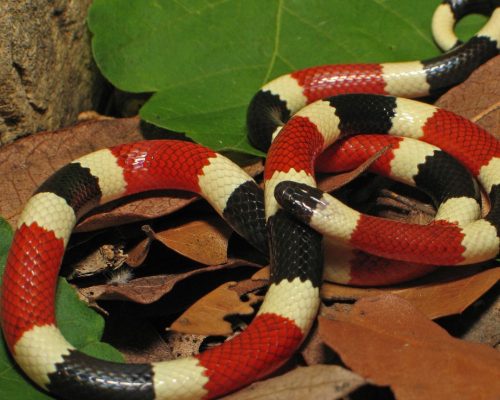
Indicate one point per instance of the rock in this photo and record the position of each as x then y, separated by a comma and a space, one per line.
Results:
47, 75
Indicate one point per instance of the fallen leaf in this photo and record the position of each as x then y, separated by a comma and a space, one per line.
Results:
206, 316
442, 295
204, 240
262, 274
140, 251
314, 382
107, 257
143, 206
149, 289
249, 286
182, 345
314, 350
478, 98
389, 342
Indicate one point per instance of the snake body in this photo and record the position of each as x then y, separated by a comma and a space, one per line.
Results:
445, 243
291, 303
277, 100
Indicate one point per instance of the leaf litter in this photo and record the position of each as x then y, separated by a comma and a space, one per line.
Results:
402, 348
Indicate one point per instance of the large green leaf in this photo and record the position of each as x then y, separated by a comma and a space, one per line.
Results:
5, 240
82, 326
204, 59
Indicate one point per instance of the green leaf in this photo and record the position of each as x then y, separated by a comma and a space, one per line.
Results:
82, 326
204, 59
5, 241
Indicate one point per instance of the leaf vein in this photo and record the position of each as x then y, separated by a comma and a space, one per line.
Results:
320, 32
405, 20
274, 54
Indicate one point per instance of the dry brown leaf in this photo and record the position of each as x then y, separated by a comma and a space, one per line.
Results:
387, 341
204, 241
182, 345
137, 255
136, 208
249, 286
149, 289
261, 274
315, 382
107, 257
333, 182
478, 98
437, 298
314, 350
206, 316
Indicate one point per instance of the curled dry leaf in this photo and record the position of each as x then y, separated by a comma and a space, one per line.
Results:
478, 98
182, 345
204, 240
314, 382
149, 289
389, 342
107, 257
140, 251
206, 316
136, 208
442, 294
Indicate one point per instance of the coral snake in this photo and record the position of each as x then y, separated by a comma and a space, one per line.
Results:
435, 162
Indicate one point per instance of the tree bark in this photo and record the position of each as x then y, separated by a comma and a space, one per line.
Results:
47, 75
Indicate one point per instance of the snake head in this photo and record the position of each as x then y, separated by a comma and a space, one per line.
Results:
299, 199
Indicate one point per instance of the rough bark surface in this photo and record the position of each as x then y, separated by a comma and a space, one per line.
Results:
47, 75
